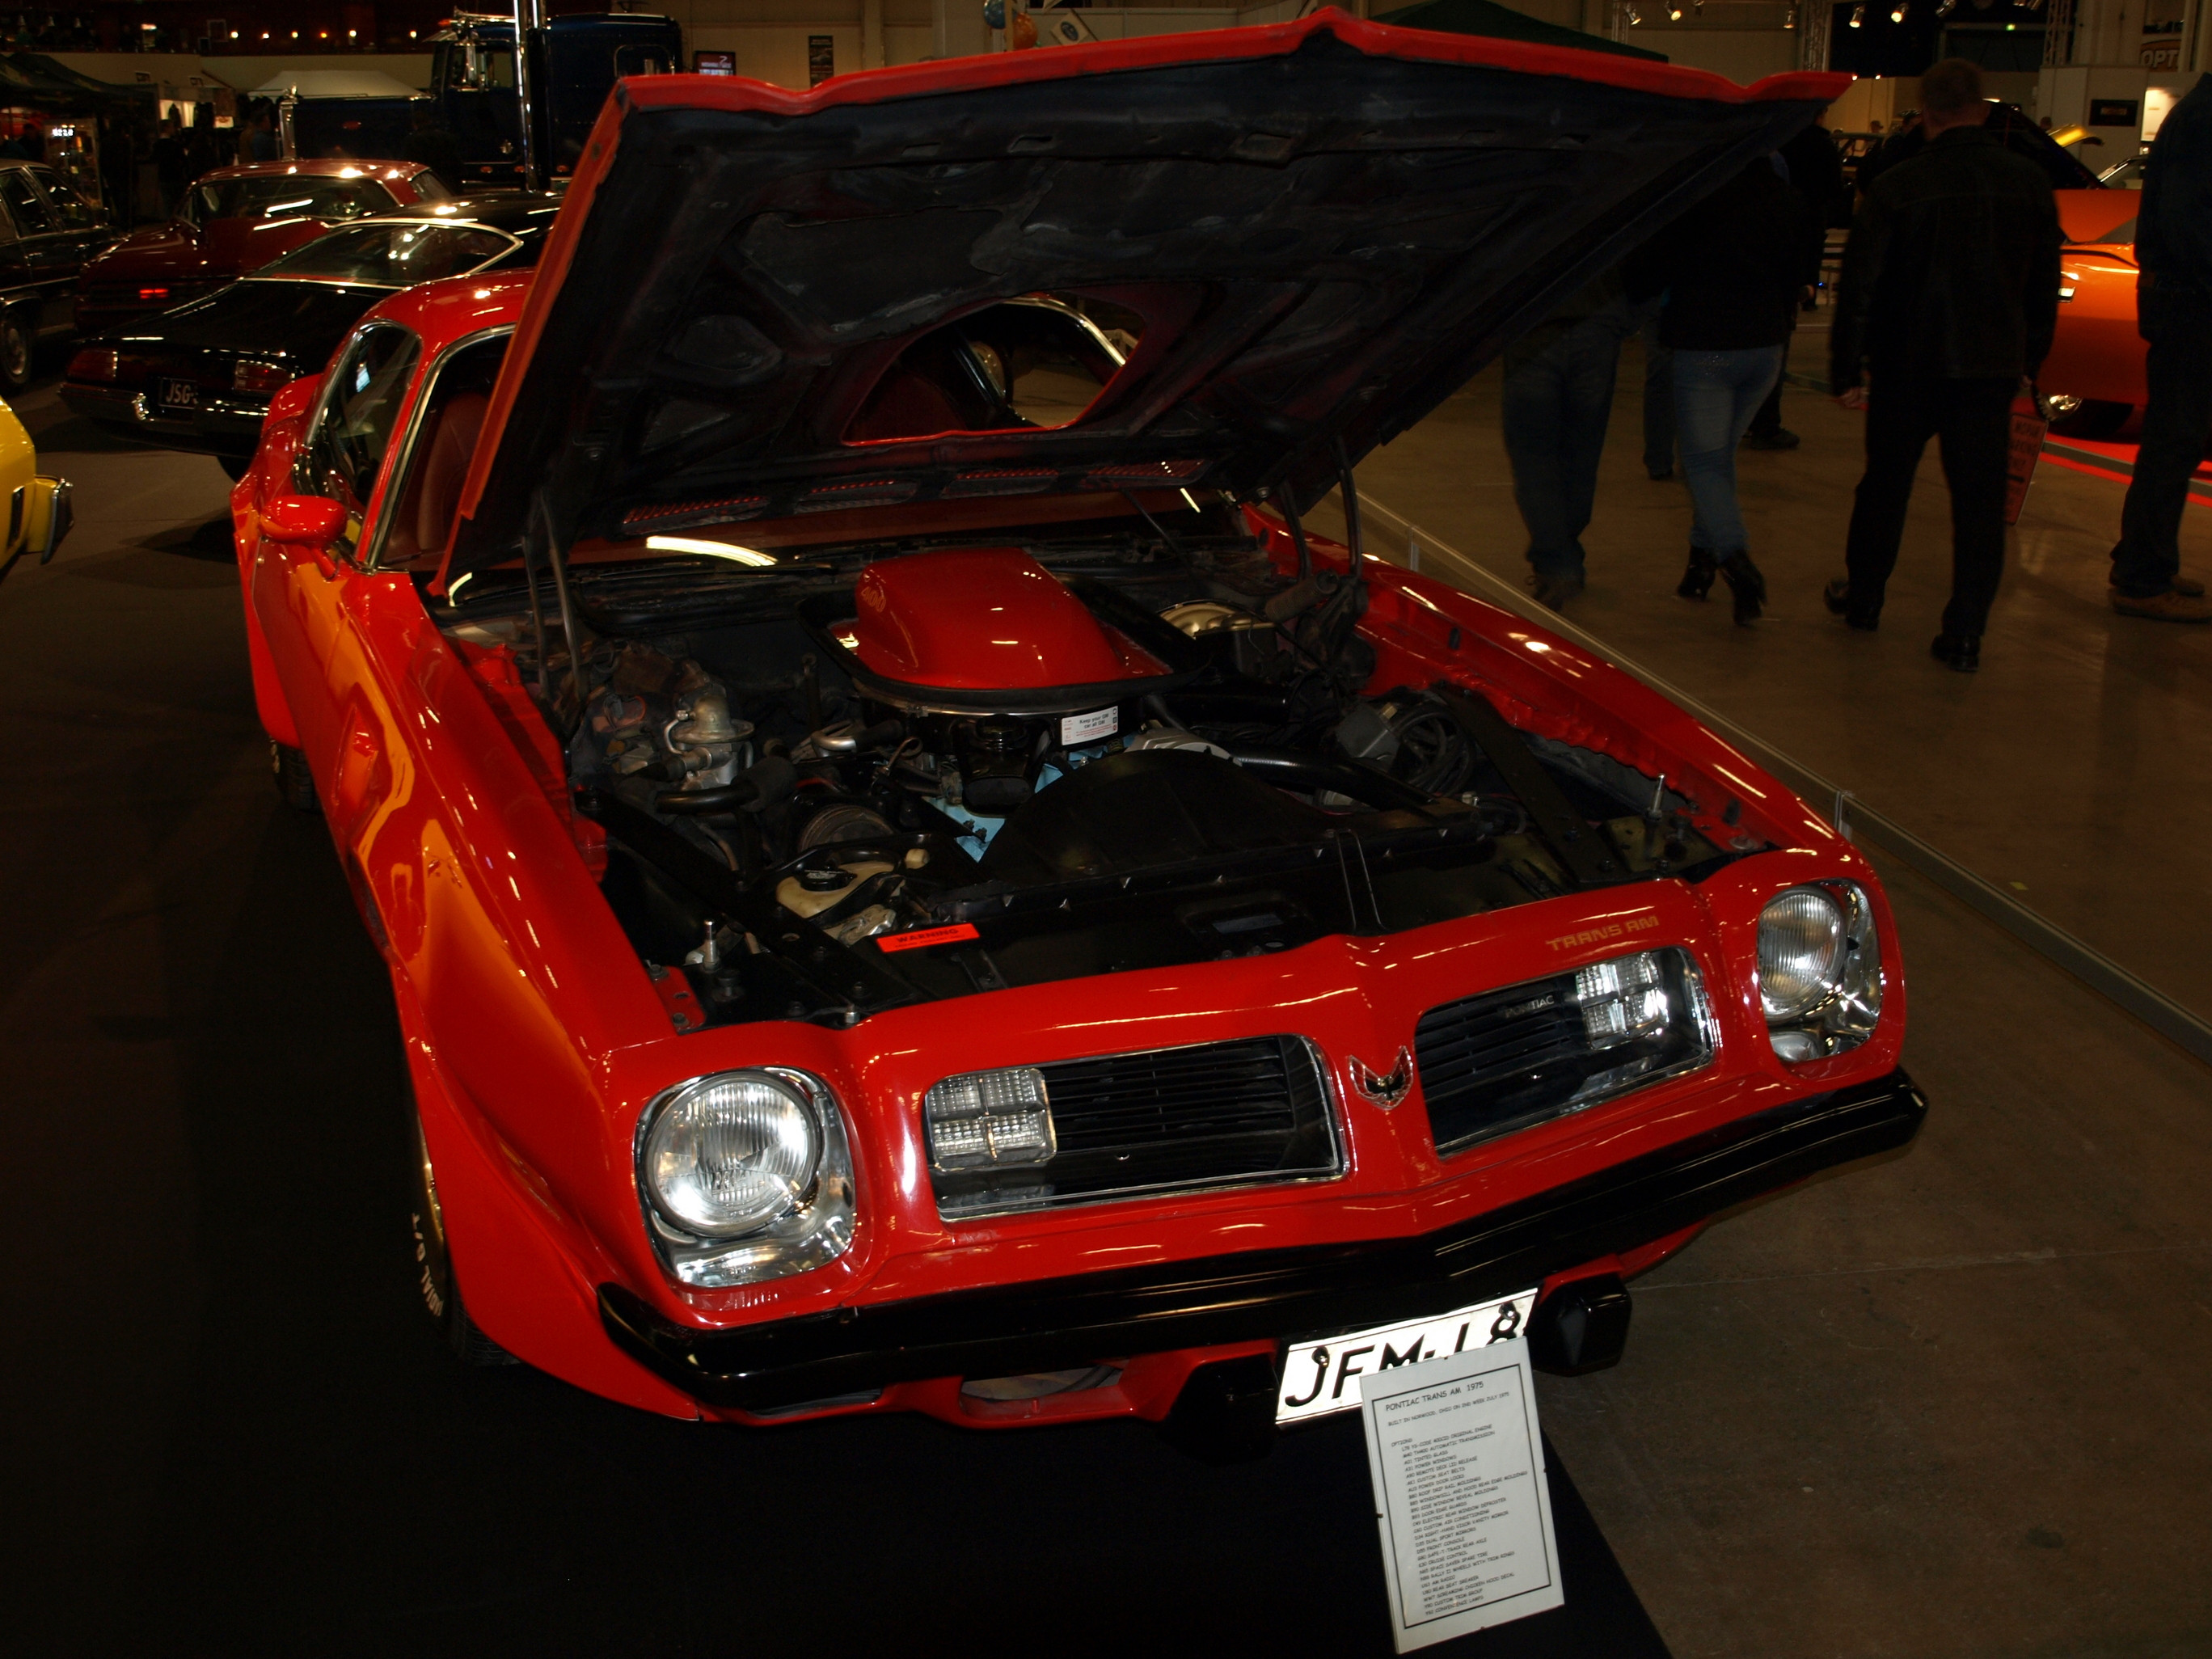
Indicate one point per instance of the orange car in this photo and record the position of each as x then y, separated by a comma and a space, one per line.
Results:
2093, 377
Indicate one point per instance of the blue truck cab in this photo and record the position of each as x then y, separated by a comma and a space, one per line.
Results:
577, 60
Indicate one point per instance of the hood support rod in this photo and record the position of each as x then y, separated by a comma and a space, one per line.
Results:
536, 620
541, 526
1350, 492
1288, 501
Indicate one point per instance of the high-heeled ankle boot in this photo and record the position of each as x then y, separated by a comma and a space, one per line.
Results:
1698, 579
1748, 586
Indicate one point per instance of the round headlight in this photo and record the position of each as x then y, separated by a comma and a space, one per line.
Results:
728, 1155
1801, 950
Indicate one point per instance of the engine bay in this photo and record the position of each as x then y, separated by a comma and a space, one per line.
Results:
859, 779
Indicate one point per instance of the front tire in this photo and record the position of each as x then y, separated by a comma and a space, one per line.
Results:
434, 1278
2093, 419
295, 782
16, 352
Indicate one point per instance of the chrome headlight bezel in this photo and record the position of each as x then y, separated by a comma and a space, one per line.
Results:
1843, 1011
813, 1230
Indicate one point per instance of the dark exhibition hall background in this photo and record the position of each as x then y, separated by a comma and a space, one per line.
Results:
1946, 1401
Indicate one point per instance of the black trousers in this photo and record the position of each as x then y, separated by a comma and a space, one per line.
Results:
2176, 416
1973, 421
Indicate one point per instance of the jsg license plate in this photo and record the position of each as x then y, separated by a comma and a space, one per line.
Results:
1320, 1374
178, 396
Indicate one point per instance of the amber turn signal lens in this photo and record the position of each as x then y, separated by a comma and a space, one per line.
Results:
248, 376
92, 363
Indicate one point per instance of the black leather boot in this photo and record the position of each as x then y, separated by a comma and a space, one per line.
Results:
1962, 651
1838, 597
1698, 579
1748, 586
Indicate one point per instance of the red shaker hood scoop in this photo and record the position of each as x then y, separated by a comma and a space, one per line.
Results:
990, 630
1325, 226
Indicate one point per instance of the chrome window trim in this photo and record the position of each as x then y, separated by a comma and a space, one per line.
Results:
394, 476
323, 394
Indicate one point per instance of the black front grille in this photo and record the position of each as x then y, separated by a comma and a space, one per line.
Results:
1207, 1115
1507, 1058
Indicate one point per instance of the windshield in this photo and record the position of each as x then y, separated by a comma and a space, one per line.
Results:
393, 254
284, 196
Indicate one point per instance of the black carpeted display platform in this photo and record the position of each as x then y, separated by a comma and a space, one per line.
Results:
230, 1427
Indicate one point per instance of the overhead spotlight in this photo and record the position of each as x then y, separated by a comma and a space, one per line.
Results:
1944, 8
1898, 15
1635, 17
1790, 21
1674, 14
1859, 16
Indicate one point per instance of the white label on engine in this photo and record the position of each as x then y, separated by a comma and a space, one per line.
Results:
1089, 728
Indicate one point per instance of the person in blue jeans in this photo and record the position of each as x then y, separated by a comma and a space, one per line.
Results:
1557, 399
1731, 270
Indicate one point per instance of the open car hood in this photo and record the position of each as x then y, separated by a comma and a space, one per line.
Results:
1319, 230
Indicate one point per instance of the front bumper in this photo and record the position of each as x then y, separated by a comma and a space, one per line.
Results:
1051, 1324
222, 426
43, 519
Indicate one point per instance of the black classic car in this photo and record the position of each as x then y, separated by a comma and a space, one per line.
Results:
48, 232
199, 377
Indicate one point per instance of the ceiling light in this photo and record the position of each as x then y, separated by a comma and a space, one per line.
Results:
1635, 17
1858, 15
1674, 14
1898, 15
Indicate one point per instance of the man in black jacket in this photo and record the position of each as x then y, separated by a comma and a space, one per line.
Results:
1948, 298
2174, 313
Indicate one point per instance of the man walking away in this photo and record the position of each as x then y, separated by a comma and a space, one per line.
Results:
432, 143
1731, 269
2174, 313
1558, 398
1949, 297
169, 168
1658, 402
1817, 174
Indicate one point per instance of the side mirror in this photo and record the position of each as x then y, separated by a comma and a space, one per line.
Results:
309, 520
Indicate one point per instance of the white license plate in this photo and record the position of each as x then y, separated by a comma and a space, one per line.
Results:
179, 396
1322, 1374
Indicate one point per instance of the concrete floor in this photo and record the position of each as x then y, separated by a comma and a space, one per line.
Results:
2067, 772
1947, 1404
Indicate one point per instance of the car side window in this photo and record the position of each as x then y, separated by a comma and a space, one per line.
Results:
25, 206
74, 210
425, 489
353, 424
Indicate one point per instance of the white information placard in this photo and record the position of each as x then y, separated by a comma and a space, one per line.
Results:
1459, 1497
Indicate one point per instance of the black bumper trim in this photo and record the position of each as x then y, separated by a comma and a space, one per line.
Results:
1050, 1324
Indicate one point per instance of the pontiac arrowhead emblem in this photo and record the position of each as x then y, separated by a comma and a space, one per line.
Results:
1384, 1092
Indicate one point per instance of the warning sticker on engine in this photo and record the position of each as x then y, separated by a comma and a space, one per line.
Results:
1076, 729
922, 936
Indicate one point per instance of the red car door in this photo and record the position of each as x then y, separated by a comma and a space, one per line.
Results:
300, 590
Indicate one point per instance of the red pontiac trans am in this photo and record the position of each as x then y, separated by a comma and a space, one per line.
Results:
910, 880
233, 220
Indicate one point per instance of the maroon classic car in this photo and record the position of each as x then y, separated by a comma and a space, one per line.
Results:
236, 220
